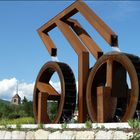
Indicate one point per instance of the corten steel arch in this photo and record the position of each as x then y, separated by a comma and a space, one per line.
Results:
75, 34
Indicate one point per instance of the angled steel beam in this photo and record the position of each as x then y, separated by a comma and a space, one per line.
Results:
71, 37
65, 14
79, 6
83, 66
103, 29
48, 43
85, 37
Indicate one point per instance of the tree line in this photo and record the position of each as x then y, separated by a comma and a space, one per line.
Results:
9, 111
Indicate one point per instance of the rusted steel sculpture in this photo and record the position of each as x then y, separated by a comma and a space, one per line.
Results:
103, 90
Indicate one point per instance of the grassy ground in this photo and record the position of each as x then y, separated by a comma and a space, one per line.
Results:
25, 120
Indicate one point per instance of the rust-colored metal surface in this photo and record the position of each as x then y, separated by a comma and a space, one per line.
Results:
45, 94
130, 98
103, 90
105, 103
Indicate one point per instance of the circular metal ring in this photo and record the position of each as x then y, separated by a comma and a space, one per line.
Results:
95, 74
66, 100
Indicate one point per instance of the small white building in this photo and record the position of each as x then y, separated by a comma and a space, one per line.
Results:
16, 100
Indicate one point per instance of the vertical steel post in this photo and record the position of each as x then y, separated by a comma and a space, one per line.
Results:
42, 111
83, 70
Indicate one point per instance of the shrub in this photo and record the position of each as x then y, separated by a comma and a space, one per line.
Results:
13, 116
64, 125
18, 126
134, 123
88, 124
41, 126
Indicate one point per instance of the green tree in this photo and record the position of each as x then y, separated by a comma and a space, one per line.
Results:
26, 108
9, 111
25, 100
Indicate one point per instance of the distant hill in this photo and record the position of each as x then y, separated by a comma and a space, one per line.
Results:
4, 101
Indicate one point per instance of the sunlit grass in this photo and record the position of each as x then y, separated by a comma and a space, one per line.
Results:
24, 120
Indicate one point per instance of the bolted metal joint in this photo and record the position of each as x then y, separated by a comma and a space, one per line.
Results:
114, 40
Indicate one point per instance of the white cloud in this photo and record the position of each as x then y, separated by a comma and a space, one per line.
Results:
8, 89
7, 84
56, 85
26, 89
77, 86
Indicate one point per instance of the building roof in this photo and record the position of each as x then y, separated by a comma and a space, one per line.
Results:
16, 96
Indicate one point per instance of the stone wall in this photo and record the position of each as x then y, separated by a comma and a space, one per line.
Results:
71, 131
67, 134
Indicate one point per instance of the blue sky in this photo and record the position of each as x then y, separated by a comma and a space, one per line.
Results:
22, 52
